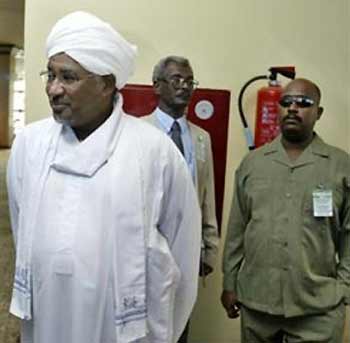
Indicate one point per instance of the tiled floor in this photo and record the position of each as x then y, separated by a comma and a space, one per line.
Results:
8, 324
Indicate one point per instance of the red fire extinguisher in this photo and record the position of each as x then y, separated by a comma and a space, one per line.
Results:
266, 124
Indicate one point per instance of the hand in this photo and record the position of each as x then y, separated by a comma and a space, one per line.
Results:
205, 269
230, 303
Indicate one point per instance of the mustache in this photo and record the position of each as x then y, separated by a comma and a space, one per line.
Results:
57, 98
184, 94
292, 116
58, 101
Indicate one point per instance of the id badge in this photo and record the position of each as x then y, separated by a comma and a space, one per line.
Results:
322, 203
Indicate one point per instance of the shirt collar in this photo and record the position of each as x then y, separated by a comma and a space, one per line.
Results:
278, 153
166, 121
317, 146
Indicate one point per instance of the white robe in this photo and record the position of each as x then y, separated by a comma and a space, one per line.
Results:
108, 230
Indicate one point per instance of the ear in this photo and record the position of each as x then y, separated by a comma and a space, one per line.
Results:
108, 85
319, 112
156, 87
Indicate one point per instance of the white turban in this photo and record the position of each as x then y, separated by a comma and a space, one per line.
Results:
94, 44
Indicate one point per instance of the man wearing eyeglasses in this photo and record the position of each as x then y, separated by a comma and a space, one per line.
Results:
174, 84
287, 252
101, 203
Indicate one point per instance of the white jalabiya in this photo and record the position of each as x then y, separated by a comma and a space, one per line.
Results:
107, 234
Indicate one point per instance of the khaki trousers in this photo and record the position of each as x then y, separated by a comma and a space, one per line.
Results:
260, 327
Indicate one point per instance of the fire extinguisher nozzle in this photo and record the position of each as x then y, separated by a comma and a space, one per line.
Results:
286, 71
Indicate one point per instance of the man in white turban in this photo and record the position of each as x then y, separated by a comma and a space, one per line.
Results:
103, 209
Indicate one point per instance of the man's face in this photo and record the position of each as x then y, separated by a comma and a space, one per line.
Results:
299, 111
175, 87
76, 96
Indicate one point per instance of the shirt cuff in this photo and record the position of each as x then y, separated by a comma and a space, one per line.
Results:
230, 283
345, 291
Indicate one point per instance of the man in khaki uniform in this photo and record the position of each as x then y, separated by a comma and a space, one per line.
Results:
287, 251
174, 84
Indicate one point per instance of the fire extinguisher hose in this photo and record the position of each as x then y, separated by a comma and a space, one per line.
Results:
247, 131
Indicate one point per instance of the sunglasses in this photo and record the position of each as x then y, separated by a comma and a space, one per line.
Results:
301, 101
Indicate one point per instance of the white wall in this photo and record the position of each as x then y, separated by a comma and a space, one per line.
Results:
228, 42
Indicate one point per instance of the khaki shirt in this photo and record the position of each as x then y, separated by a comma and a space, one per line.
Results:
279, 258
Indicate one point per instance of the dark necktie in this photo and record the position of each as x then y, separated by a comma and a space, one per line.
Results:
175, 135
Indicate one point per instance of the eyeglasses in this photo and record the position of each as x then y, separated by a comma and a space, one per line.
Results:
178, 82
301, 101
66, 78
